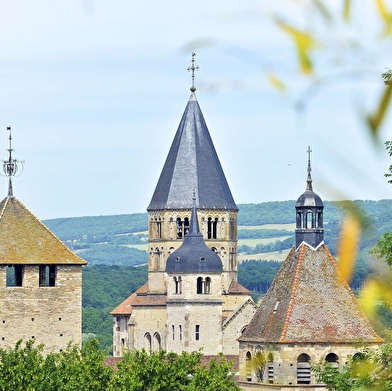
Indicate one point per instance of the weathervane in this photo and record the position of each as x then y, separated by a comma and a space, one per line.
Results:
193, 68
11, 167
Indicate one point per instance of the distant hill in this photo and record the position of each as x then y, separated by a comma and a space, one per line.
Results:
118, 239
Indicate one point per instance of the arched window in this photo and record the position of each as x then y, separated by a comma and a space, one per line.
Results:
248, 366
309, 220
157, 341
199, 285
215, 228
319, 219
122, 344
179, 228
303, 369
180, 332
209, 228
178, 285
299, 220
147, 342
207, 285
186, 225
333, 360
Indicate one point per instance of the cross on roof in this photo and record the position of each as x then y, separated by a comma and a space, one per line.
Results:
193, 68
309, 151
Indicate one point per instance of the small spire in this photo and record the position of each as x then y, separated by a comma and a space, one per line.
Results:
11, 167
194, 223
309, 179
193, 68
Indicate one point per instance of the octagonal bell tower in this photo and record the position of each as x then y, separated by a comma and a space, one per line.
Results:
192, 168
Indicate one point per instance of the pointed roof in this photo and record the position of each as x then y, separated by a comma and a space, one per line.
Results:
125, 307
309, 301
25, 240
236, 288
192, 165
309, 198
193, 256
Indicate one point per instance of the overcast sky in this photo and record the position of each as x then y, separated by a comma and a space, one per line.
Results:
94, 92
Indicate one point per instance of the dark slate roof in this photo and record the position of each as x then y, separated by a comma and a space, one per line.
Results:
25, 240
193, 256
309, 301
309, 198
192, 165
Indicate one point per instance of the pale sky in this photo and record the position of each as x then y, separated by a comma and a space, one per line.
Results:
94, 92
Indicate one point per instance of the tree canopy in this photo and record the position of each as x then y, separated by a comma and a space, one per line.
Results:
25, 368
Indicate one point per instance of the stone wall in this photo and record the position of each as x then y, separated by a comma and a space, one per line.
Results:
51, 315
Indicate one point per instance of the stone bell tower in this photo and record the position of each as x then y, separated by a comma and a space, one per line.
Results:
192, 167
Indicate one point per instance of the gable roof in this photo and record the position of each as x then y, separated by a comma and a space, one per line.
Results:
192, 165
25, 240
309, 301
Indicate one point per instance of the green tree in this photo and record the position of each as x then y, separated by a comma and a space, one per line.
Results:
26, 368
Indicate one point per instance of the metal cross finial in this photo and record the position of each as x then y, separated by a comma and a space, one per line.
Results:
309, 151
193, 68
11, 167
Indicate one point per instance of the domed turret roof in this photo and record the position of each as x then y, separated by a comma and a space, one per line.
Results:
309, 198
193, 256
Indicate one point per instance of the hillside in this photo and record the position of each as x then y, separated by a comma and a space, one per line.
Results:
264, 228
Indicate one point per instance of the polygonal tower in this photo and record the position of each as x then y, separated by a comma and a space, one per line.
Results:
192, 167
308, 315
309, 215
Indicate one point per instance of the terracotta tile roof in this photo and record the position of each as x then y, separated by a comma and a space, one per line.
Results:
125, 308
236, 288
25, 240
139, 298
149, 300
309, 301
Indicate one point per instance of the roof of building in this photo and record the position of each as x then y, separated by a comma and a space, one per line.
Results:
192, 165
236, 288
309, 301
25, 240
125, 307
194, 256
309, 198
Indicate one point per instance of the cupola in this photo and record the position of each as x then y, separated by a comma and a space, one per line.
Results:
309, 215
193, 256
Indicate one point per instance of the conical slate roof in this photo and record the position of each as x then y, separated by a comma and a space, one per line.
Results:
193, 256
192, 165
25, 240
309, 301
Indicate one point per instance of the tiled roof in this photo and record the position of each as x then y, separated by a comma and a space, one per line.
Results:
25, 240
309, 301
150, 300
125, 308
192, 165
236, 288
